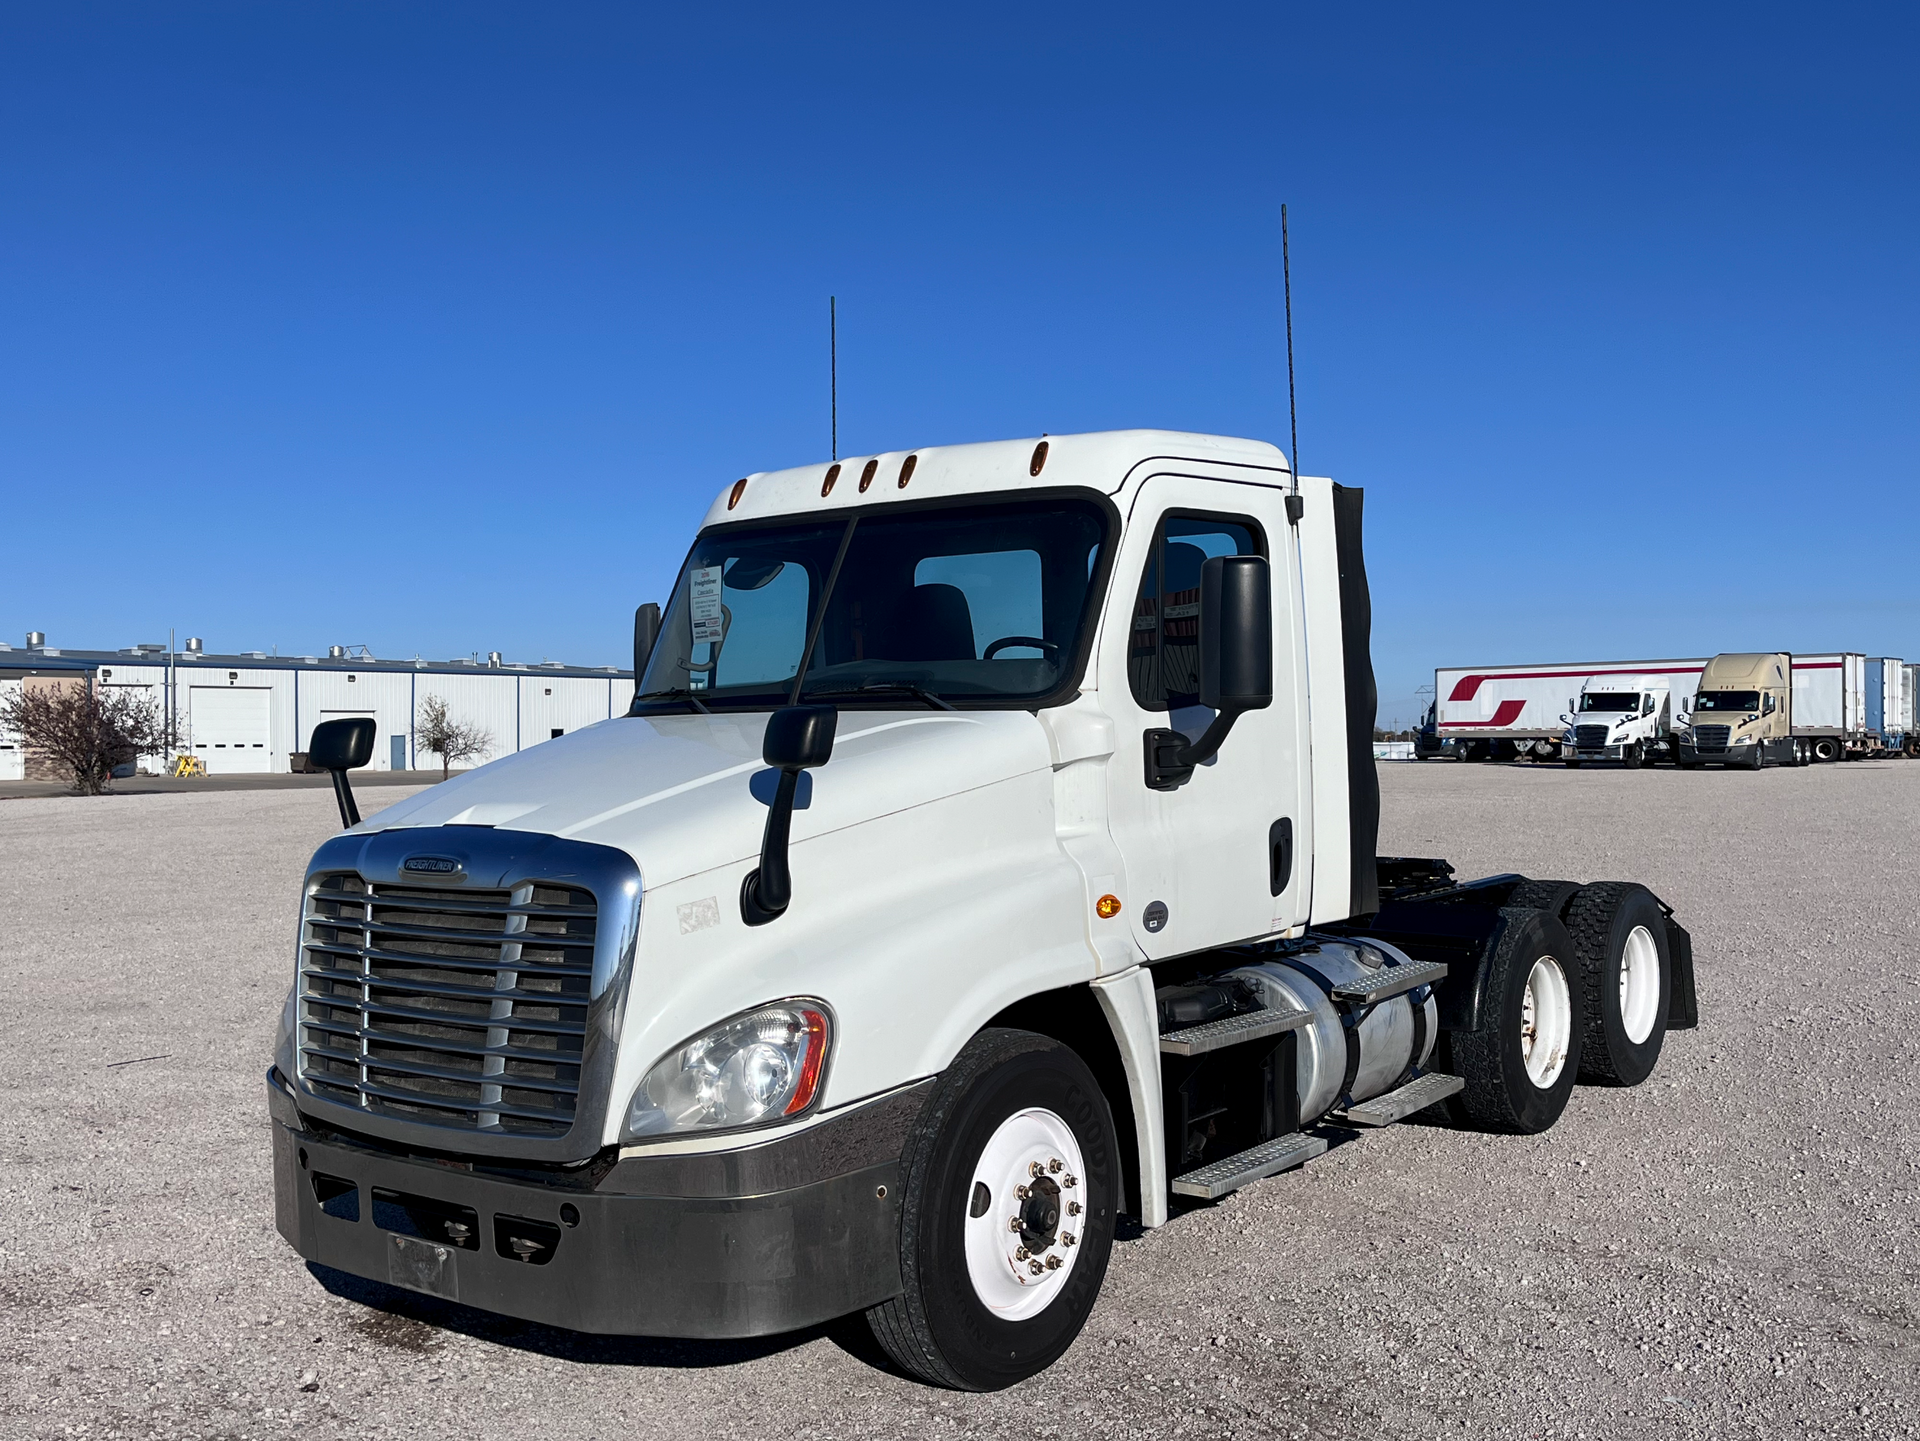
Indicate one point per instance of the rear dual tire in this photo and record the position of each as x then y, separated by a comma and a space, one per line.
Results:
1520, 1062
1619, 935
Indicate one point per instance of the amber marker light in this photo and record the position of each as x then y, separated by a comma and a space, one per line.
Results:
1039, 459
906, 470
866, 476
739, 489
815, 1061
826, 486
1107, 907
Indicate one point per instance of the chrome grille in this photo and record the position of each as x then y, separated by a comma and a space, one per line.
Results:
1590, 738
1711, 738
461, 1008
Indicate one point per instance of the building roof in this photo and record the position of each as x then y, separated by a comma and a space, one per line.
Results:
59, 658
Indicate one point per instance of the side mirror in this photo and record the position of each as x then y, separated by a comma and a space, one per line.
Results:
1236, 664
646, 630
340, 746
798, 738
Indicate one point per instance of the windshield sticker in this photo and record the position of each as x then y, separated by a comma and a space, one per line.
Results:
705, 595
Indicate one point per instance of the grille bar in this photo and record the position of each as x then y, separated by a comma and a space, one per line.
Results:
417, 1001
407, 898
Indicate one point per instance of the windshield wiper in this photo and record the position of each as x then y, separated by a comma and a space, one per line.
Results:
901, 687
678, 692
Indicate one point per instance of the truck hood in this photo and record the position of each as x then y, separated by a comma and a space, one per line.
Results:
677, 792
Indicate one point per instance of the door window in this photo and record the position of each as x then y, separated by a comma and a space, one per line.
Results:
1163, 655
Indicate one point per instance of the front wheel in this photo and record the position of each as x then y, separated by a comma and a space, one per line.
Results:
1009, 1185
1630, 757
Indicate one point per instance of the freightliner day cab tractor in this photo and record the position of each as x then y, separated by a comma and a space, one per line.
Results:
988, 852
1629, 720
1742, 715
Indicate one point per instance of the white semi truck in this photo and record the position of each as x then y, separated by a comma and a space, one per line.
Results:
1629, 719
988, 852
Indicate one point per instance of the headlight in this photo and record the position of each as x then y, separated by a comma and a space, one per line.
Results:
754, 1068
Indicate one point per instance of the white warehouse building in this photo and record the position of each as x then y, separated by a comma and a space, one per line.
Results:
255, 713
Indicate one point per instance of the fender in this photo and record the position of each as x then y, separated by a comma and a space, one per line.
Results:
1127, 1002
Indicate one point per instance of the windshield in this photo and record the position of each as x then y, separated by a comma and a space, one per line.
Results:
1609, 700
964, 602
1727, 700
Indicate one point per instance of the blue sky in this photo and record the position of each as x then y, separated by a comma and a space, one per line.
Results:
435, 328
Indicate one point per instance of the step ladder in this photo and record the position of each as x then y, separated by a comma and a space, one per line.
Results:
1416, 1095
1215, 1179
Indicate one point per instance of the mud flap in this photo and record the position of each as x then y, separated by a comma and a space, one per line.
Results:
1683, 1008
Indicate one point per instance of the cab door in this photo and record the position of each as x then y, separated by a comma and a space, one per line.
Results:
1219, 859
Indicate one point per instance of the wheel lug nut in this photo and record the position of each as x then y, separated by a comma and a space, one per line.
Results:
1066, 1238
1073, 1208
1034, 1168
1035, 1268
1053, 1263
1021, 1253
1019, 1193
1014, 1223
1069, 1182
1055, 1166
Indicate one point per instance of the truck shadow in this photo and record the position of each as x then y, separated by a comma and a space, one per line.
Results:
407, 1321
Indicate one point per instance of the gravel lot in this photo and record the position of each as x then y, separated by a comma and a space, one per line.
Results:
1730, 1249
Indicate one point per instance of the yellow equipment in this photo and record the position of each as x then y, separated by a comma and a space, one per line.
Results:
188, 765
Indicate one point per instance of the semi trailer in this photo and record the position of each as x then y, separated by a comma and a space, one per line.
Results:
989, 851
1890, 706
1504, 712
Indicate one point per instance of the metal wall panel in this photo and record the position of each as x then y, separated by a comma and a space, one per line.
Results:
552, 703
486, 698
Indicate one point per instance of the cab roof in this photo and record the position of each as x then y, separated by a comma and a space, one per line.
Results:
1098, 460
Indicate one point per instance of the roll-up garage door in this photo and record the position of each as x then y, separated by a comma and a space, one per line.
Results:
231, 728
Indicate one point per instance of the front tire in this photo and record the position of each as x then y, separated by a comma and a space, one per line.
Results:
1521, 1060
1630, 757
1619, 936
975, 1314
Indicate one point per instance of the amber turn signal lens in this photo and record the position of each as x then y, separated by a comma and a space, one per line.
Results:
739, 489
1107, 907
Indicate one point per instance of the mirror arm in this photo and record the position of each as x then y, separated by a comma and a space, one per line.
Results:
1171, 757
343, 793
768, 890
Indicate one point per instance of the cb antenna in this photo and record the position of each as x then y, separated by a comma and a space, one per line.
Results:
833, 375
1293, 419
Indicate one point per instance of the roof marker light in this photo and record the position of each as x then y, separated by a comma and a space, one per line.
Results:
866, 476
1107, 907
1039, 458
739, 489
906, 470
826, 486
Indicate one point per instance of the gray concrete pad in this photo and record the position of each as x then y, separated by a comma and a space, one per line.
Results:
1728, 1250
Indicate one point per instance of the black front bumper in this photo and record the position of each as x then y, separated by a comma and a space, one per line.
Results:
770, 1237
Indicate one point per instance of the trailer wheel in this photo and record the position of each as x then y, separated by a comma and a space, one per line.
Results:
1520, 1062
1826, 750
1620, 936
1009, 1181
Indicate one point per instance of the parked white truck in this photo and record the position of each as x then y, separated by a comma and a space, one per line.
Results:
988, 852
1621, 718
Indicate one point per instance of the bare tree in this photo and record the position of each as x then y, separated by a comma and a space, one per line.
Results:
436, 730
86, 732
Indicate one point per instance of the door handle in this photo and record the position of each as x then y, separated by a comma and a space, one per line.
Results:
1280, 853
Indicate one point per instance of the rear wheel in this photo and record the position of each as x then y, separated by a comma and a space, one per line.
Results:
1619, 936
1826, 749
1009, 1180
1520, 1061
